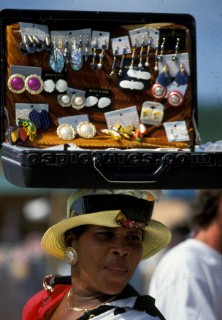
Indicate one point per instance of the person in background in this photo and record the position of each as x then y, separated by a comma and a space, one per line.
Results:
187, 282
105, 236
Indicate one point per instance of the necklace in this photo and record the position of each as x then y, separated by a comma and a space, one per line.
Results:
84, 310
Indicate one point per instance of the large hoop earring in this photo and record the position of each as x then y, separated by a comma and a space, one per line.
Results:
71, 256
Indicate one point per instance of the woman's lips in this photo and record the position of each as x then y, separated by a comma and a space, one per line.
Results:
117, 269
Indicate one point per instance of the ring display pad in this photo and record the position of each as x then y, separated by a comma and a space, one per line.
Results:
95, 81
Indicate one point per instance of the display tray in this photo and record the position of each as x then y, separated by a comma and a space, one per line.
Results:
98, 99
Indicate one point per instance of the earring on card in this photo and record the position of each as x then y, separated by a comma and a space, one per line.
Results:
133, 54
181, 77
101, 55
56, 59
140, 64
87, 48
94, 46
156, 68
76, 60
174, 57
148, 51
114, 61
164, 78
122, 62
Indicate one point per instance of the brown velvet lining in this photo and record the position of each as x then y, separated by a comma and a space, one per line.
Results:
88, 78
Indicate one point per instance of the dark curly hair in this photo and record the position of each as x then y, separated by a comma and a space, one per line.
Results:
205, 207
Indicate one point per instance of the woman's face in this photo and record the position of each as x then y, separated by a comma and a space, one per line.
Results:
107, 258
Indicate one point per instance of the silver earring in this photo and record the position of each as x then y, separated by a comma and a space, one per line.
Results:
71, 256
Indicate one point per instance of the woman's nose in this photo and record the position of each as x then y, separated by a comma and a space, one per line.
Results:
120, 247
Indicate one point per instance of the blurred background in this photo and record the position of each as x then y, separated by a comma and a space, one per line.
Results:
26, 213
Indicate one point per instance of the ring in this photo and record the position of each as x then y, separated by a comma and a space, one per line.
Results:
86, 129
16, 83
34, 84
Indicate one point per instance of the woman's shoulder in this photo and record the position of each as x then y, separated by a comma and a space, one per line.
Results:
43, 303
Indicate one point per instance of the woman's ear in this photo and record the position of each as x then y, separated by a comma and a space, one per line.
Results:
69, 237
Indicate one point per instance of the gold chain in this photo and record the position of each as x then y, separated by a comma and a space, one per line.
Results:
84, 310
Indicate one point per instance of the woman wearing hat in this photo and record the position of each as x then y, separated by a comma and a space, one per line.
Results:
106, 234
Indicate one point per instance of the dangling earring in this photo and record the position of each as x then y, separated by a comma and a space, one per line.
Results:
114, 61
71, 256
140, 64
174, 57
181, 76
56, 60
133, 54
122, 62
76, 60
148, 51
164, 77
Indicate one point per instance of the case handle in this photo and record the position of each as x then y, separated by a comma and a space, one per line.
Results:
148, 177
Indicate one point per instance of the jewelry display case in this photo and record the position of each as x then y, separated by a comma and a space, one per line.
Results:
101, 99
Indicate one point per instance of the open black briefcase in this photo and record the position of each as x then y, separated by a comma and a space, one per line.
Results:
100, 99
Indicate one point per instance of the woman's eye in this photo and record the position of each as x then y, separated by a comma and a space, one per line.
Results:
106, 234
135, 237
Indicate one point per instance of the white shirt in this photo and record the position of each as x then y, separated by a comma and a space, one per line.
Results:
130, 314
187, 283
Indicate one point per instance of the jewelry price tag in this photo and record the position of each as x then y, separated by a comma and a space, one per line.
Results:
121, 45
101, 38
32, 29
73, 120
139, 37
22, 110
125, 117
176, 131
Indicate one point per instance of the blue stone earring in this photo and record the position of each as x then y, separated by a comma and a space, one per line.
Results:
181, 76
56, 59
76, 59
164, 77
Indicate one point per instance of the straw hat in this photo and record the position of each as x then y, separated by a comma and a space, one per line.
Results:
110, 208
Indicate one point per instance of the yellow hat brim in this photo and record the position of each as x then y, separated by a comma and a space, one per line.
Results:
157, 235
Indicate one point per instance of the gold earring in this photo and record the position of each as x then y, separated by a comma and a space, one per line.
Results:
71, 256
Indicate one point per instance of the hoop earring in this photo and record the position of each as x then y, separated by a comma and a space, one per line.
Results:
71, 256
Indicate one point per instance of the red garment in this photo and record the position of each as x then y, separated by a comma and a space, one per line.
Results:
43, 304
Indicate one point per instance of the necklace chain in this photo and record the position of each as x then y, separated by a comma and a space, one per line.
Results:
85, 310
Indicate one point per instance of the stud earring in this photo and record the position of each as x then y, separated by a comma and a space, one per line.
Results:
175, 98
34, 84
71, 256
16, 83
